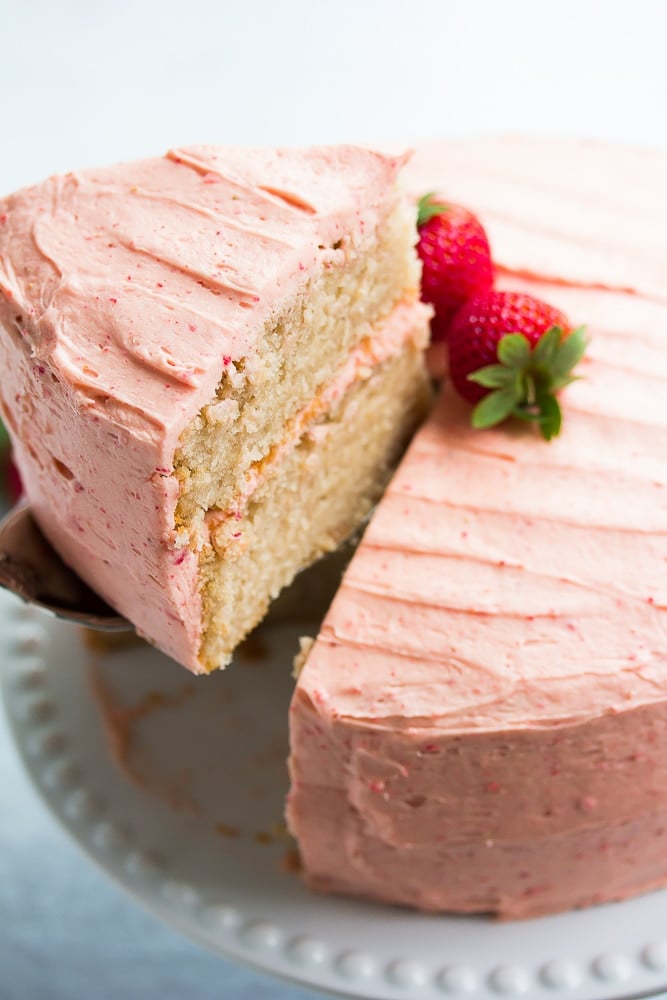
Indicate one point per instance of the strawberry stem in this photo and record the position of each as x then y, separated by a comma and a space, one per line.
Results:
428, 209
525, 380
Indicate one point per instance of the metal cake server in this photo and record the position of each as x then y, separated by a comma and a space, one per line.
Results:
30, 568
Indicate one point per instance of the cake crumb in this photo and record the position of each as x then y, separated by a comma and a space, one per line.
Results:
305, 646
226, 830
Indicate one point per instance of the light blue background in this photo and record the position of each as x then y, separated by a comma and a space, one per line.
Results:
88, 83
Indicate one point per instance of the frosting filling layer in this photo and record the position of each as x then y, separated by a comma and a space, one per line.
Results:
407, 324
316, 494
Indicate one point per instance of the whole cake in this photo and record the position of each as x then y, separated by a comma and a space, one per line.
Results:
481, 724
210, 363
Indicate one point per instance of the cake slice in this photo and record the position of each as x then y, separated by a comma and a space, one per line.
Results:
481, 724
211, 361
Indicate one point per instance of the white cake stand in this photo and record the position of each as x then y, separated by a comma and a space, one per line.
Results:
183, 807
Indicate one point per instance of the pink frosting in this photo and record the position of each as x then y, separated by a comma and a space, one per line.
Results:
124, 294
491, 551
504, 585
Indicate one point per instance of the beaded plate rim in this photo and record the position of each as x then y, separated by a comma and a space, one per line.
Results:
305, 947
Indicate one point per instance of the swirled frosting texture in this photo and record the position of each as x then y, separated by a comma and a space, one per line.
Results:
504, 585
503, 579
125, 293
137, 281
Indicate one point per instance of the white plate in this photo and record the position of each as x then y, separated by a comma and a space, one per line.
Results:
194, 835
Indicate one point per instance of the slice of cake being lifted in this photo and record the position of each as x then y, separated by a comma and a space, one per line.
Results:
210, 362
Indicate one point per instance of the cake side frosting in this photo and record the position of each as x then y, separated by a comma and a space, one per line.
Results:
509, 596
125, 295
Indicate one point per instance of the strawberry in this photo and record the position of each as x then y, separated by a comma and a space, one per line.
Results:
456, 258
511, 353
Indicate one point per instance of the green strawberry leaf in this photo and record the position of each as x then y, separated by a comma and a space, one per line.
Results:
561, 381
514, 351
569, 353
525, 380
428, 209
529, 416
550, 416
493, 376
4, 437
546, 347
494, 408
